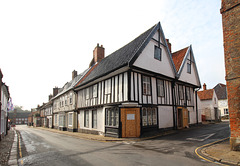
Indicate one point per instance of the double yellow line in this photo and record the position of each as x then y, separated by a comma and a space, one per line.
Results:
196, 151
19, 147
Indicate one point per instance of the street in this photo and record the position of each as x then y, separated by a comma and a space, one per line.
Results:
41, 147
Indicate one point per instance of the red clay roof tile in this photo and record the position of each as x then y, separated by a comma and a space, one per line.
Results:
178, 57
205, 94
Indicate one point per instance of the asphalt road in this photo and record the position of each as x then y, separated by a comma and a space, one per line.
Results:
41, 147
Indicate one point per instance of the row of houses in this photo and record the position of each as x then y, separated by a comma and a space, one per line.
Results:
4, 99
141, 87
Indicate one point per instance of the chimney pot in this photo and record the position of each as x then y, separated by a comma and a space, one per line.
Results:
74, 74
98, 54
169, 45
204, 86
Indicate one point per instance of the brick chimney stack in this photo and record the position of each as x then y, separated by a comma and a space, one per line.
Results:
74, 74
169, 45
98, 54
50, 97
55, 91
204, 86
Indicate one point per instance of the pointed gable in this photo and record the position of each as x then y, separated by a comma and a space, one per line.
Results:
156, 56
205, 94
178, 57
187, 71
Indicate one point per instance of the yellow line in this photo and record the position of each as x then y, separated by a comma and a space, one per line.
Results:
20, 150
208, 145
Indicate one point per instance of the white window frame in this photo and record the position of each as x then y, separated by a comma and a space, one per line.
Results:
160, 88
70, 119
146, 85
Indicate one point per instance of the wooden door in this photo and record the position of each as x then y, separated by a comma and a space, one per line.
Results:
130, 118
179, 118
185, 117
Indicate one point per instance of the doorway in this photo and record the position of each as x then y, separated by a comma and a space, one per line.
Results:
130, 118
182, 117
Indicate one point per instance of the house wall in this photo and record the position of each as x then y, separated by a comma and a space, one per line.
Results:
4, 103
165, 116
100, 121
111, 90
207, 107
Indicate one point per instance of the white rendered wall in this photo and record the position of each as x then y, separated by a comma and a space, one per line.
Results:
165, 116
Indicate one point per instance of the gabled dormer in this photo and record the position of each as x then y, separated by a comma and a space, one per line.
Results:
186, 66
155, 55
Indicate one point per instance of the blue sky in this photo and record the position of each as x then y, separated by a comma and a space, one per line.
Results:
42, 42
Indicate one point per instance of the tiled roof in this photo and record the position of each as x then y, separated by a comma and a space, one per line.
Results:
119, 58
178, 57
221, 91
205, 94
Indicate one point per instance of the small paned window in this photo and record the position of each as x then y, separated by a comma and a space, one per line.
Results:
158, 53
160, 88
86, 118
189, 67
226, 111
70, 98
95, 91
94, 119
181, 92
70, 119
188, 93
90, 92
108, 86
149, 116
146, 86
87, 93
112, 116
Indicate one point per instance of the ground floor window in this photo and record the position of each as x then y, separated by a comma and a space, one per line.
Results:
55, 119
112, 116
94, 119
62, 120
70, 119
149, 116
86, 118
226, 111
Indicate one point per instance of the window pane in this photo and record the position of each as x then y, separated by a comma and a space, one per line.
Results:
154, 114
95, 90
144, 116
94, 119
149, 115
157, 53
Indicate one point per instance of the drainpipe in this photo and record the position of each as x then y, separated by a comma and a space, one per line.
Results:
173, 106
196, 104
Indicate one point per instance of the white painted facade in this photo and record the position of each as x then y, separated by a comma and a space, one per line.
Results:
223, 107
4, 107
209, 108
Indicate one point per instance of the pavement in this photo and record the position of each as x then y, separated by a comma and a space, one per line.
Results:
218, 152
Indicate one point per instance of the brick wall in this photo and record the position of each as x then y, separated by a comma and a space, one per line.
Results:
231, 34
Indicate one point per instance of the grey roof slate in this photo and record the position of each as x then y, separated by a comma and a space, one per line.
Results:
119, 58
221, 91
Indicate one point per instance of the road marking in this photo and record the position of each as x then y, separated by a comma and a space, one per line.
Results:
20, 150
209, 145
201, 138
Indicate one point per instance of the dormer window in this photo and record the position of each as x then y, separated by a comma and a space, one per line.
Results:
189, 67
158, 53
